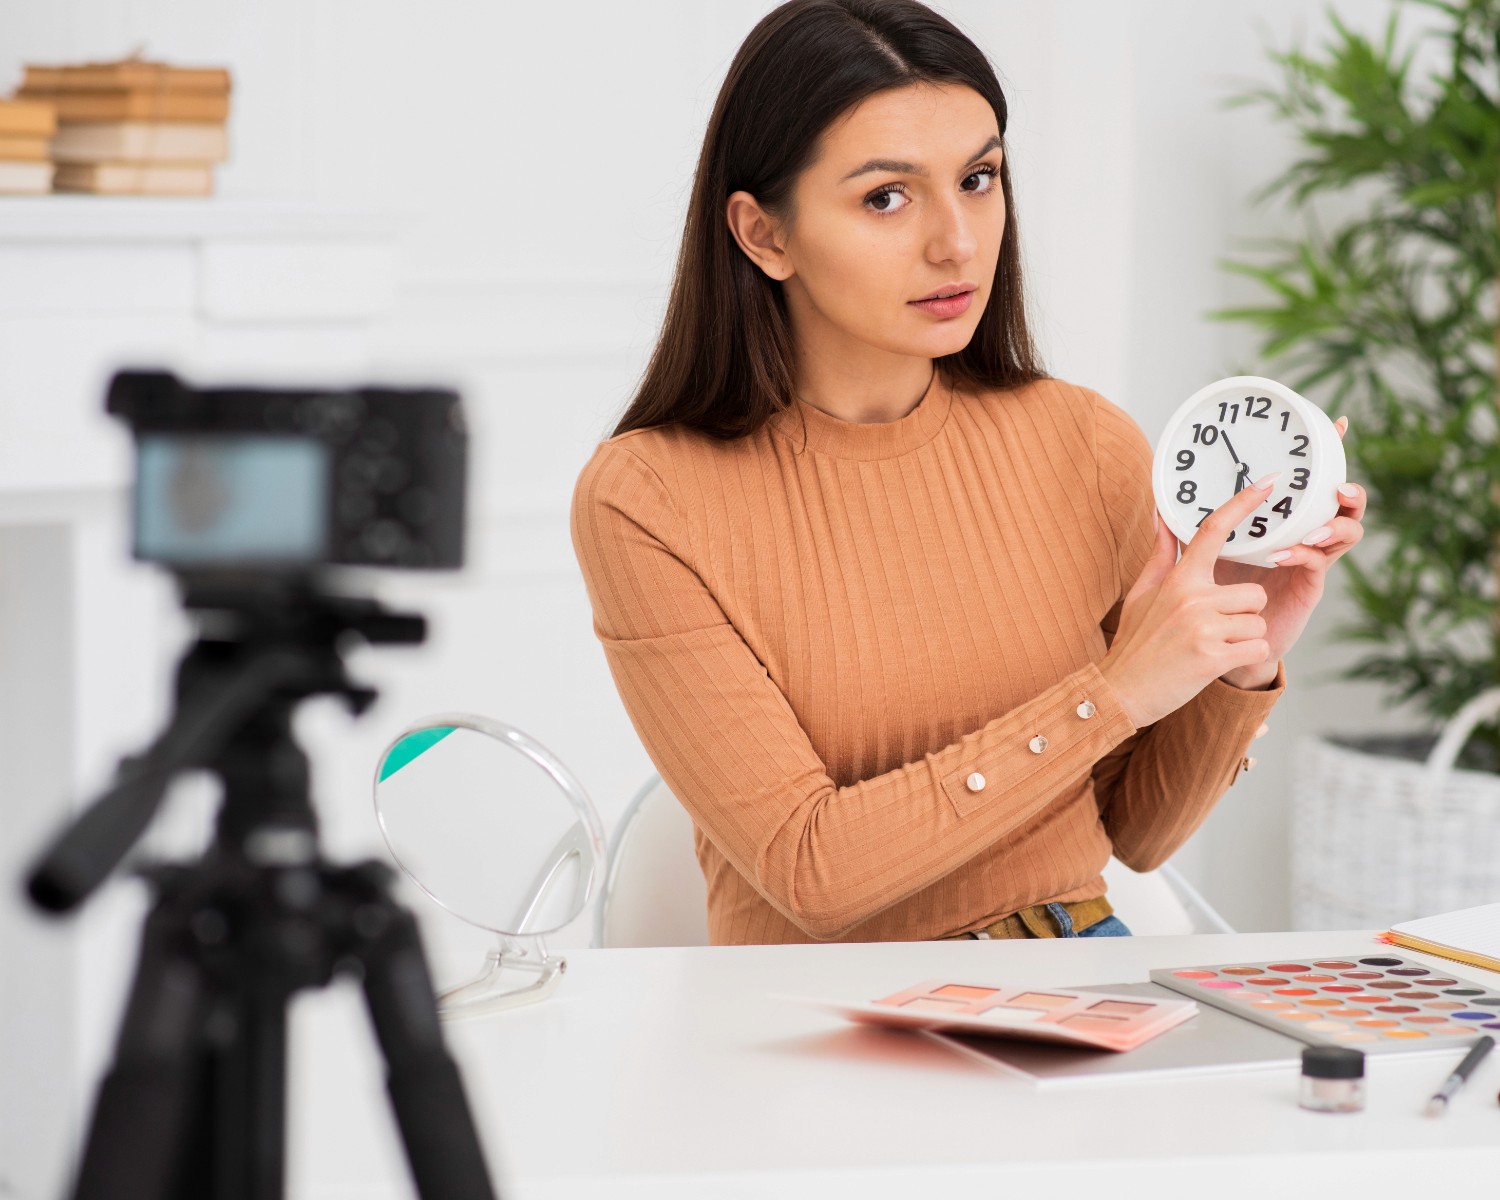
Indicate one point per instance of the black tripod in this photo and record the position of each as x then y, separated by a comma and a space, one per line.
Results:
193, 1105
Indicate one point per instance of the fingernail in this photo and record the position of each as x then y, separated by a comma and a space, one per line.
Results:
1265, 481
1263, 730
1316, 536
1279, 556
1349, 490
1344, 419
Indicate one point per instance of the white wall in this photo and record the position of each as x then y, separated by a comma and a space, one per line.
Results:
537, 159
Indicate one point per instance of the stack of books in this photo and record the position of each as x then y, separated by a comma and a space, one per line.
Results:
25, 165
135, 127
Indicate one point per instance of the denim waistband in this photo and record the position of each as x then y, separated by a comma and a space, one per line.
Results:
1045, 920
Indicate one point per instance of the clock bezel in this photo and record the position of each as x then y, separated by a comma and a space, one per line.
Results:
1327, 465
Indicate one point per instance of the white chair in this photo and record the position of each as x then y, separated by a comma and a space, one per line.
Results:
1160, 901
654, 893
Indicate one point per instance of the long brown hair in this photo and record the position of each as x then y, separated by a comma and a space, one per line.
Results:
723, 362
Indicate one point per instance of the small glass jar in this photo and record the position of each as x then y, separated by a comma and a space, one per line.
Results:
1333, 1079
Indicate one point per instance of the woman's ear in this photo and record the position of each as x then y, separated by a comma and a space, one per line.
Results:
756, 232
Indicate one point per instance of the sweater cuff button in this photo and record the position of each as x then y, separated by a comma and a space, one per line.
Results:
1087, 709
1037, 744
975, 782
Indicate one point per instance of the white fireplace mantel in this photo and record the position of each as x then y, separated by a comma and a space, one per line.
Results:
89, 284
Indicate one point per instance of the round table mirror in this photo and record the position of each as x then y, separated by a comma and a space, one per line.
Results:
495, 829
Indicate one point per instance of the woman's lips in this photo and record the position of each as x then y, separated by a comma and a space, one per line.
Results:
952, 306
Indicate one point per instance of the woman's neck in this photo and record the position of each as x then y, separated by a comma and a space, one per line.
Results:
871, 401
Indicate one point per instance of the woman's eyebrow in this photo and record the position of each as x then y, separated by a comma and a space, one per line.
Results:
906, 168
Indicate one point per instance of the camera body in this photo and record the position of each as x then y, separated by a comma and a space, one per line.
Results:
288, 480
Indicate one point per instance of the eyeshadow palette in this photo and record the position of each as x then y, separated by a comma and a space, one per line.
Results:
1212, 1043
1377, 1002
1078, 1018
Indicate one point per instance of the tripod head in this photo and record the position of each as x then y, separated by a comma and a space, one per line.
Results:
266, 643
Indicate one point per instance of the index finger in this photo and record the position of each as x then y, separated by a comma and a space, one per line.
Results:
1204, 549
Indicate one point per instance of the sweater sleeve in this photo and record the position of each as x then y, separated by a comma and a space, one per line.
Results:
1156, 787
729, 745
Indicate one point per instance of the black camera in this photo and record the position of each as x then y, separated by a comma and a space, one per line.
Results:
235, 479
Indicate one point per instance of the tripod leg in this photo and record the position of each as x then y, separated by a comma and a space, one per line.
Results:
247, 1135
426, 1090
136, 1139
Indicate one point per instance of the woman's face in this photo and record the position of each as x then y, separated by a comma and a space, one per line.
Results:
904, 200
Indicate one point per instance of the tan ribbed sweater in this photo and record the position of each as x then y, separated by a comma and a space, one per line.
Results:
840, 643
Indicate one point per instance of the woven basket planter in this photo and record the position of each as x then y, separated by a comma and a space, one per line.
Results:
1378, 839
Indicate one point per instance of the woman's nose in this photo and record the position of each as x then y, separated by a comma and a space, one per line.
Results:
953, 238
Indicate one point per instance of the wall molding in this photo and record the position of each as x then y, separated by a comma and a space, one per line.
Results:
94, 219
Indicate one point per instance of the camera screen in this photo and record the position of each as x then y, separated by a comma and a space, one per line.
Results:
205, 501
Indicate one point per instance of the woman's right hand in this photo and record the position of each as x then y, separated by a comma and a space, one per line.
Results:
1179, 630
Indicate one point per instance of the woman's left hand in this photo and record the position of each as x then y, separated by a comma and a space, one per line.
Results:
1295, 584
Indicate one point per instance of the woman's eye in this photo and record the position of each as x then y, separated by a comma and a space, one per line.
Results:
882, 201
990, 185
879, 200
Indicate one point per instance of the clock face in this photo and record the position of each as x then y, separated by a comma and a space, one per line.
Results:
1229, 435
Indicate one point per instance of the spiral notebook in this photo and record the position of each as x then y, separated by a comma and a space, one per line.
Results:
1469, 935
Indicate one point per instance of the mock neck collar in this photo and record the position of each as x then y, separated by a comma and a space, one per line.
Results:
802, 423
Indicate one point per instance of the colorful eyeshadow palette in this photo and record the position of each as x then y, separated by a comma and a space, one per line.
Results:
1375, 1002
1101, 1020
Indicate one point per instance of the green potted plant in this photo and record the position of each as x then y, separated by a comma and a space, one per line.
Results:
1383, 305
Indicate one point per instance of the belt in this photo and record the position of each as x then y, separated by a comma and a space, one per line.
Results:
1037, 921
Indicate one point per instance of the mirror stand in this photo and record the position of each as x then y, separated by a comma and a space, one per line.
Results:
485, 992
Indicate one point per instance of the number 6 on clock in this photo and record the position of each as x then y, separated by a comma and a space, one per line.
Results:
1233, 432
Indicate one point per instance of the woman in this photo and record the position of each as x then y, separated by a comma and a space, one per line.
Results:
889, 607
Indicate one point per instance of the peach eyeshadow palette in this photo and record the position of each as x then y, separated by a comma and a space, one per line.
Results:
1100, 1020
1374, 1002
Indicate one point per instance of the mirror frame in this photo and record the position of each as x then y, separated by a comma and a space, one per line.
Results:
483, 994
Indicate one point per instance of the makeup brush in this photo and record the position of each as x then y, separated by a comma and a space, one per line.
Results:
1438, 1105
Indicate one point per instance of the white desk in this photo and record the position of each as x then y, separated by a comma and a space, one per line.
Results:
671, 1073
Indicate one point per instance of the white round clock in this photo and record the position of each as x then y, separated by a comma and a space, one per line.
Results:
1233, 432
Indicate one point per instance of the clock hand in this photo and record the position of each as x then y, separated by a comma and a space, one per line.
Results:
1243, 478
